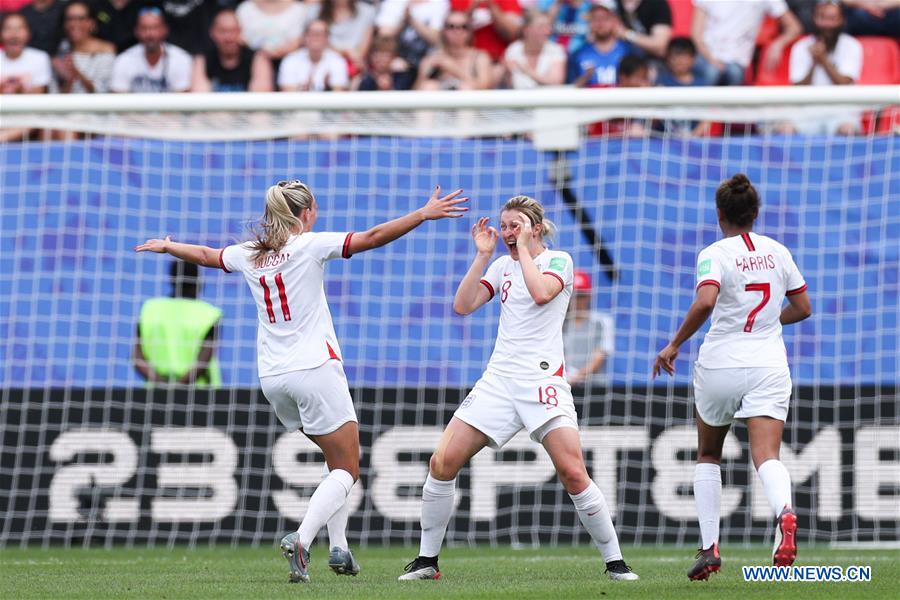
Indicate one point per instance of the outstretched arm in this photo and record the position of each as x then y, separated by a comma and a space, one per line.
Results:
436, 208
471, 294
199, 255
696, 316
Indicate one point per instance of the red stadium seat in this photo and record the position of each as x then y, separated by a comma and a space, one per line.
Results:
778, 76
768, 31
881, 61
682, 13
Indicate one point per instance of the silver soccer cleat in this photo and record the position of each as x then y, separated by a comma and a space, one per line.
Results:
297, 557
342, 562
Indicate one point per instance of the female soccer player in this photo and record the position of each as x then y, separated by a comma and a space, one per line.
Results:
742, 370
524, 384
300, 368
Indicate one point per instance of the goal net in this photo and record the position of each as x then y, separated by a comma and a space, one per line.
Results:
91, 455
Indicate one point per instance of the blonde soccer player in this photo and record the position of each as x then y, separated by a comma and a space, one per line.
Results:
524, 385
742, 370
300, 370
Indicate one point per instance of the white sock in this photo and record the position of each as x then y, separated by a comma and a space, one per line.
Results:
326, 500
777, 482
708, 496
595, 517
437, 507
337, 524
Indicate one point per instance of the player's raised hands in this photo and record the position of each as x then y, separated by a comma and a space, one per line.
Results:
158, 246
524, 235
665, 360
439, 207
485, 237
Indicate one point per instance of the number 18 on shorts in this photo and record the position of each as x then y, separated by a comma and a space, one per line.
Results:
501, 406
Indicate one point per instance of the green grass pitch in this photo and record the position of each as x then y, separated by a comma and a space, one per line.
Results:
488, 573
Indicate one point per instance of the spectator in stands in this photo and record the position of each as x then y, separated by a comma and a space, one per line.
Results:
187, 19
176, 336
84, 62
828, 57
456, 65
588, 337
386, 70
23, 70
116, 22
570, 21
679, 72
873, 17
229, 65
152, 65
44, 17
646, 25
803, 10
315, 68
534, 60
596, 63
417, 25
725, 35
273, 26
495, 24
350, 23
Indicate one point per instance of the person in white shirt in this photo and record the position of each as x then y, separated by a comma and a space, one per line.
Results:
534, 60
23, 70
300, 368
152, 65
725, 32
315, 68
742, 370
524, 385
829, 57
416, 24
273, 26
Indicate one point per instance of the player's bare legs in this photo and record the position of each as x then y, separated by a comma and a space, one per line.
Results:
564, 447
341, 449
765, 445
458, 444
708, 496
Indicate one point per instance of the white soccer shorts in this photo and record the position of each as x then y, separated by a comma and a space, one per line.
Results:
722, 395
316, 401
500, 407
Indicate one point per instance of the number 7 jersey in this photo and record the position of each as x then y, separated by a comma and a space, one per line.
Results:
754, 273
295, 328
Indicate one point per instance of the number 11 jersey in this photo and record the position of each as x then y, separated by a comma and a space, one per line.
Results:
754, 273
295, 328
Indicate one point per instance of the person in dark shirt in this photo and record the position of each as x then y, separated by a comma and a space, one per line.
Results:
228, 65
44, 20
386, 71
187, 19
116, 20
646, 25
680, 72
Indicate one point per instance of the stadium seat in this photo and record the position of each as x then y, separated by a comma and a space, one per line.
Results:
881, 61
682, 13
778, 76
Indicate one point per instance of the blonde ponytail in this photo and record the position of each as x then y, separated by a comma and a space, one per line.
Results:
284, 202
532, 209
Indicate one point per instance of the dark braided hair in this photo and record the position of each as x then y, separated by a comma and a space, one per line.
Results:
738, 200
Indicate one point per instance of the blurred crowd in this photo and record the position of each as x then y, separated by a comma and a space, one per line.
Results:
87, 46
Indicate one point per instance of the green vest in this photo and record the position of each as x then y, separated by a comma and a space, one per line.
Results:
172, 333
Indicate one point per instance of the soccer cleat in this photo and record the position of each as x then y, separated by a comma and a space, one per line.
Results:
297, 557
421, 568
619, 571
342, 562
785, 550
708, 561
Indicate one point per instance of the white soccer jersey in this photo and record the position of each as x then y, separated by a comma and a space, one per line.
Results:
754, 273
529, 339
295, 329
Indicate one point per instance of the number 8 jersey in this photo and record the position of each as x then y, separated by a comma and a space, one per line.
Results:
295, 328
754, 273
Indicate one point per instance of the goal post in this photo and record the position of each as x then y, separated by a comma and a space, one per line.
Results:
90, 455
